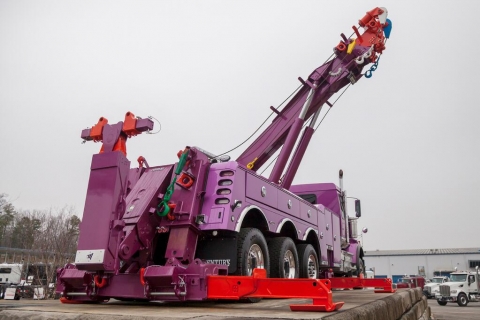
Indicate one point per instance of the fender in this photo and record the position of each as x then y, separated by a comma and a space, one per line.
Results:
305, 235
244, 213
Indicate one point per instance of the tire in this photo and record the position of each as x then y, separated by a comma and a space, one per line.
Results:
252, 252
283, 258
308, 259
360, 268
462, 299
442, 303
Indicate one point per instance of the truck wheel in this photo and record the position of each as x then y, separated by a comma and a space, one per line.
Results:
462, 300
360, 267
308, 261
252, 252
283, 258
442, 303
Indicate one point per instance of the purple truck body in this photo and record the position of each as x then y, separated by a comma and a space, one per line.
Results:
129, 249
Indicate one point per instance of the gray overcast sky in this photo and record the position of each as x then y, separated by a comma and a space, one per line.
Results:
406, 138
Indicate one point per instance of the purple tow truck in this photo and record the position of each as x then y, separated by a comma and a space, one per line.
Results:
157, 232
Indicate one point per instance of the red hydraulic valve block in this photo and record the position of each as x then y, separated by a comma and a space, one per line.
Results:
374, 22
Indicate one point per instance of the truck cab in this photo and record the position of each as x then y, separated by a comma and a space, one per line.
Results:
331, 201
10, 273
10, 278
429, 288
463, 287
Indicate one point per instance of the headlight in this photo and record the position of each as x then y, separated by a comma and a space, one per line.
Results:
453, 291
436, 290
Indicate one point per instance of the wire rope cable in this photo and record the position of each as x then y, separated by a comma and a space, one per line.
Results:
305, 124
325, 79
259, 127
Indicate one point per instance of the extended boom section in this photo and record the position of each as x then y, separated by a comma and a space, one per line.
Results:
351, 56
206, 227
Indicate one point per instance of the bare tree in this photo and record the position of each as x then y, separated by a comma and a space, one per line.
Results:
55, 243
48, 238
7, 214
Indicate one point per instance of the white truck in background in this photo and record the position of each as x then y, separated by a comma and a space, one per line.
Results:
463, 287
369, 274
430, 288
10, 280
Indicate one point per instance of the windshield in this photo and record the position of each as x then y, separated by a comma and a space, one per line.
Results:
458, 277
407, 280
437, 280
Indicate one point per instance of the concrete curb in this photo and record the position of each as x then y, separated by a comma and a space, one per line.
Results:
33, 315
404, 305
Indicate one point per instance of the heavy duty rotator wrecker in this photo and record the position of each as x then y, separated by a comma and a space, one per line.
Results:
210, 228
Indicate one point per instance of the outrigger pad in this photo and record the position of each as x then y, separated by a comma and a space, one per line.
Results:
313, 307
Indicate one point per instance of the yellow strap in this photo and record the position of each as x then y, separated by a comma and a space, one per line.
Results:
250, 165
351, 46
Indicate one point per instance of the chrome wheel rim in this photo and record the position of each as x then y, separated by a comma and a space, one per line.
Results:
312, 267
289, 265
255, 259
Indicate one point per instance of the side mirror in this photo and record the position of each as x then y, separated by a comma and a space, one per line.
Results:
358, 209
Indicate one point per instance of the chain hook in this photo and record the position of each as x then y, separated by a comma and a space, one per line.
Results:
368, 73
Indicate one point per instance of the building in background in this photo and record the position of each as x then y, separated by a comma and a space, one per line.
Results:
426, 262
